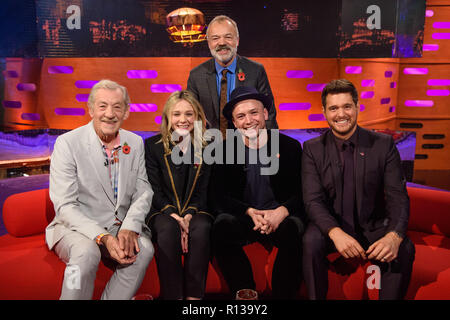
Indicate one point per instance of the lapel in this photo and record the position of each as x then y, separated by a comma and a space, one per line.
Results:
194, 172
97, 160
212, 86
332, 159
172, 182
125, 161
361, 156
239, 67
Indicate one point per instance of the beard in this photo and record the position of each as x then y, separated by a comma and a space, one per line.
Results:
226, 58
342, 131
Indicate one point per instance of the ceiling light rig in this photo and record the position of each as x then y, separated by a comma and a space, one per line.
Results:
186, 26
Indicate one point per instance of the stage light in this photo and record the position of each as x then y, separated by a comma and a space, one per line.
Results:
186, 25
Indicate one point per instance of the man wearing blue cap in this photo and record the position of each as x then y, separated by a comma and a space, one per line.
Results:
256, 200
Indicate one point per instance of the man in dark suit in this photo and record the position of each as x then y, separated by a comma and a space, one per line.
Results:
214, 80
355, 198
257, 199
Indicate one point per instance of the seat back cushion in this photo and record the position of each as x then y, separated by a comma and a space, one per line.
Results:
429, 211
28, 213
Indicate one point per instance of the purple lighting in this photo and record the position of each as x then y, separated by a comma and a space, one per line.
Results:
12, 104
367, 83
60, 69
82, 97
316, 117
441, 25
315, 87
392, 109
158, 119
415, 71
142, 74
362, 107
441, 36
160, 88
85, 84
419, 103
393, 84
294, 106
143, 107
438, 82
430, 47
11, 74
70, 111
367, 94
299, 74
388, 74
26, 87
429, 13
438, 92
353, 69
31, 116
385, 100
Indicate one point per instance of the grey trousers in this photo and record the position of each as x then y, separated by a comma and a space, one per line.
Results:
82, 257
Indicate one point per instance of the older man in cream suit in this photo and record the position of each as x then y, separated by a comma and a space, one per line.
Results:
99, 187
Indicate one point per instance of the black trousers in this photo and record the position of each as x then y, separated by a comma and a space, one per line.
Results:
178, 281
231, 233
395, 276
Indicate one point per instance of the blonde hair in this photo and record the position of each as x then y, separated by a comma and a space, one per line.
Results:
110, 85
166, 125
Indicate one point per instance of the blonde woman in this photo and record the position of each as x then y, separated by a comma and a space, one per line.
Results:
178, 216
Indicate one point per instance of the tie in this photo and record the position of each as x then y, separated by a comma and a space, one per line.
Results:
223, 124
348, 197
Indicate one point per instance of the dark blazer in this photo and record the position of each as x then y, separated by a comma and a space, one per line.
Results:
230, 180
381, 197
202, 82
162, 176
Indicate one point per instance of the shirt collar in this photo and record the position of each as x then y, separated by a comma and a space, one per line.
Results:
115, 142
353, 139
231, 68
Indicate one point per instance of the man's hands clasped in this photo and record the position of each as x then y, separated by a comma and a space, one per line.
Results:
267, 221
123, 248
384, 250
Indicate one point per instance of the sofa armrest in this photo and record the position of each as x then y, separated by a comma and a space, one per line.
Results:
28, 213
429, 211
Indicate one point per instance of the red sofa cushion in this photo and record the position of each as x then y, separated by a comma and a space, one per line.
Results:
28, 213
28, 270
431, 269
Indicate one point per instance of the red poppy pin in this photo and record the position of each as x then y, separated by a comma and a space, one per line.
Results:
241, 75
126, 148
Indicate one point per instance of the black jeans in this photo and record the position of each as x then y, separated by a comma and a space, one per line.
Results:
178, 281
231, 233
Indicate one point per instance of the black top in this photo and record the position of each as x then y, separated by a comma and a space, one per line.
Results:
258, 192
178, 188
229, 181
340, 142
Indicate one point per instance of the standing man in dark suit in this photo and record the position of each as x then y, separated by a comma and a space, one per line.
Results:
355, 198
257, 198
213, 81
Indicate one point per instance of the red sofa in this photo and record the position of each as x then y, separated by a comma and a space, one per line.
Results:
28, 270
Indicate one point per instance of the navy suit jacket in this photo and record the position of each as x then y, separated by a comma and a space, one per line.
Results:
381, 198
202, 82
